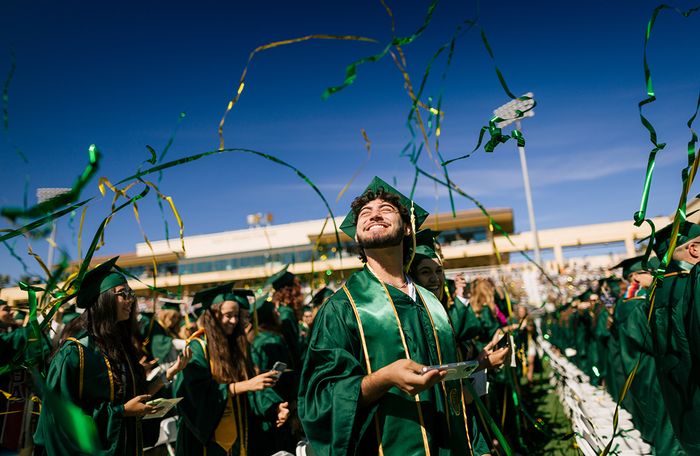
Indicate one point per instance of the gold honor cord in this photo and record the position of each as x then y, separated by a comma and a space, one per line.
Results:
368, 365
442, 384
241, 82
688, 176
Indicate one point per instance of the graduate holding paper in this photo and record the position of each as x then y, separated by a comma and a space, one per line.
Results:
362, 390
219, 387
96, 368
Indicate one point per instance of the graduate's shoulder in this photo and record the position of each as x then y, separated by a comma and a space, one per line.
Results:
337, 302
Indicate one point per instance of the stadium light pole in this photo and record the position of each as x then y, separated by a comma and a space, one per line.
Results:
42, 195
508, 112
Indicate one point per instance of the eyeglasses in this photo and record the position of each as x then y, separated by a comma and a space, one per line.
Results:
126, 294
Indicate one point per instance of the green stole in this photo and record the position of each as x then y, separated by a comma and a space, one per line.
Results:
383, 342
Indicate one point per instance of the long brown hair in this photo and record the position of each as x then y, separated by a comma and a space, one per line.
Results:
116, 340
228, 354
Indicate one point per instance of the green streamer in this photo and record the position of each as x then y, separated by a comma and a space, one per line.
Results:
687, 175
492, 221
75, 283
160, 174
74, 423
6, 92
271, 158
61, 200
14, 255
351, 70
41, 222
450, 46
484, 412
640, 215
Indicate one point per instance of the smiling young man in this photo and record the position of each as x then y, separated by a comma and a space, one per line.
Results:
362, 387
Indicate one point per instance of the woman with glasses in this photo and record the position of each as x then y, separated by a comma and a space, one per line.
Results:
96, 367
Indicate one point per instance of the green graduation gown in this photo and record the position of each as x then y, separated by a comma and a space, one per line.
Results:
635, 344
290, 332
685, 376
616, 371
670, 346
80, 373
465, 323
602, 336
204, 404
159, 344
361, 328
269, 347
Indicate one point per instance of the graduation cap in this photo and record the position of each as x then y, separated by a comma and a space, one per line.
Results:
207, 296
634, 264
281, 279
349, 225
244, 298
69, 314
662, 239
613, 283
98, 280
264, 308
170, 304
321, 296
425, 244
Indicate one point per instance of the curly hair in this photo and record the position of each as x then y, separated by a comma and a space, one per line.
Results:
228, 354
290, 296
391, 198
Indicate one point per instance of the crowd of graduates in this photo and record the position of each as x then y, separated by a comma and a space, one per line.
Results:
636, 335
235, 360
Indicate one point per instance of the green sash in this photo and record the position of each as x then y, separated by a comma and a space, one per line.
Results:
399, 417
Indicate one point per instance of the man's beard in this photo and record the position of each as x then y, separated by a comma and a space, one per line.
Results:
379, 242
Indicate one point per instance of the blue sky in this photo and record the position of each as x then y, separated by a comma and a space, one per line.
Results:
118, 74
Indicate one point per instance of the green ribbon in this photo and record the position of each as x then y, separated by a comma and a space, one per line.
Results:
42, 221
6, 92
160, 174
484, 413
74, 423
75, 283
498, 227
687, 176
496, 134
450, 45
351, 70
268, 157
13, 213
640, 215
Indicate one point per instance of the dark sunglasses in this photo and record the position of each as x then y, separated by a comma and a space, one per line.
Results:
126, 293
